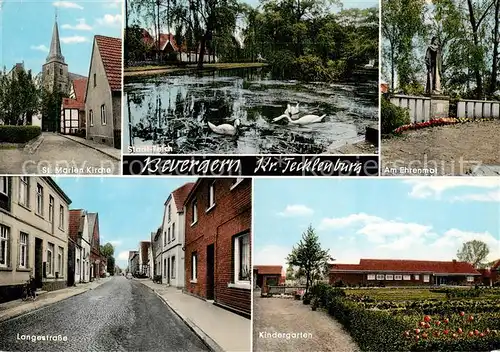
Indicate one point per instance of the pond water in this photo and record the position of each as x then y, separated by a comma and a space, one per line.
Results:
174, 110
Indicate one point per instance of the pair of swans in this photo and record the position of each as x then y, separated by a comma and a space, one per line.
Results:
231, 130
304, 120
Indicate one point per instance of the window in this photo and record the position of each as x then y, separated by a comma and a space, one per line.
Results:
172, 268
470, 278
50, 259
380, 276
426, 278
103, 115
398, 277
164, 267
4, 246
60, 261
407, 277
417, 277
91, 118
169, 213
23, 250
164, 238
61, 217
242, 259
194, 266
194, 212
173, 231
169, 235
236, 182
39, 199
78, 266
211, 195
389, 277
60, 71
51, 209
371, 276
24, 186
95, 80
4, 185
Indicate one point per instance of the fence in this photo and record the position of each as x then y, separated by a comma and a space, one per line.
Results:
418, 107
284, 290
476, 109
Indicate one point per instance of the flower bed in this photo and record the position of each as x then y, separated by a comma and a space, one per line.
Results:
430, 123
462, 325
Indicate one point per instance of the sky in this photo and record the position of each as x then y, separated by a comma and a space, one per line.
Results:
26, 30
129, 208
384, 218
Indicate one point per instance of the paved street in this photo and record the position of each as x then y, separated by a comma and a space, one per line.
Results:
57, 152
119, 315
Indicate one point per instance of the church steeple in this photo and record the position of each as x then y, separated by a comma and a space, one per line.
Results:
55, 53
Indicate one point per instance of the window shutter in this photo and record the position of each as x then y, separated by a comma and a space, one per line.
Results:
9, 247
28, 266
19, 250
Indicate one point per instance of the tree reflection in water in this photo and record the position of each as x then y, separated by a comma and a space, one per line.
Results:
174, 110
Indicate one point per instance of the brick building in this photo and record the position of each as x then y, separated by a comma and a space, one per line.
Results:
491, 276
385, 272
218, 242
267, 275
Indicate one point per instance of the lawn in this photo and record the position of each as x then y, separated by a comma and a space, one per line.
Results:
413, 294
161, 69
394, 294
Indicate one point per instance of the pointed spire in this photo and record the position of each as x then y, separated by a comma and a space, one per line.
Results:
55, 53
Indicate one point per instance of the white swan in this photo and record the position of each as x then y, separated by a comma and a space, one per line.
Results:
225, 128
304, 120
291, 110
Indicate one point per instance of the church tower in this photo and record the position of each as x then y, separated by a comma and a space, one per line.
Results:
55, 76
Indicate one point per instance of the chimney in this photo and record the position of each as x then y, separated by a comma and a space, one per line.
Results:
454, 261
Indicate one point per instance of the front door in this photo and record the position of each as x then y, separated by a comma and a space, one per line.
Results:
210, 272
38, 274
168, 271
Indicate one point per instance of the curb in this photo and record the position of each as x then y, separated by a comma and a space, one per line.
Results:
5, 318
209, 342
90, 146
32, 146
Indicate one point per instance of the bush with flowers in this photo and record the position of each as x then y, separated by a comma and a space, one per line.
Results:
431, 123
407, 329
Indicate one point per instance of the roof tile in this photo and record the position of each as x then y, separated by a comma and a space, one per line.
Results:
111, 55
417, 266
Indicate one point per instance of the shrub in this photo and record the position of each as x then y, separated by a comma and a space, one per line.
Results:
392, 116
339, 283
307, 298
376, 330
18, 134
309, 68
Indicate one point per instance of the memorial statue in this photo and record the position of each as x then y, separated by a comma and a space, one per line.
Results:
433, 63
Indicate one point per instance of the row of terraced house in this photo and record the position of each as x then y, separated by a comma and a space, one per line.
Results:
203, 245
40, 236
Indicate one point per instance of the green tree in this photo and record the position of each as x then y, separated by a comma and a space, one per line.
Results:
309, 257
402, 23
111, 265
474, 252
107, 250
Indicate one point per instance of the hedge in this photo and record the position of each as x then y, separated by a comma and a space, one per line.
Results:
383, 330
18, 134
392, 116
